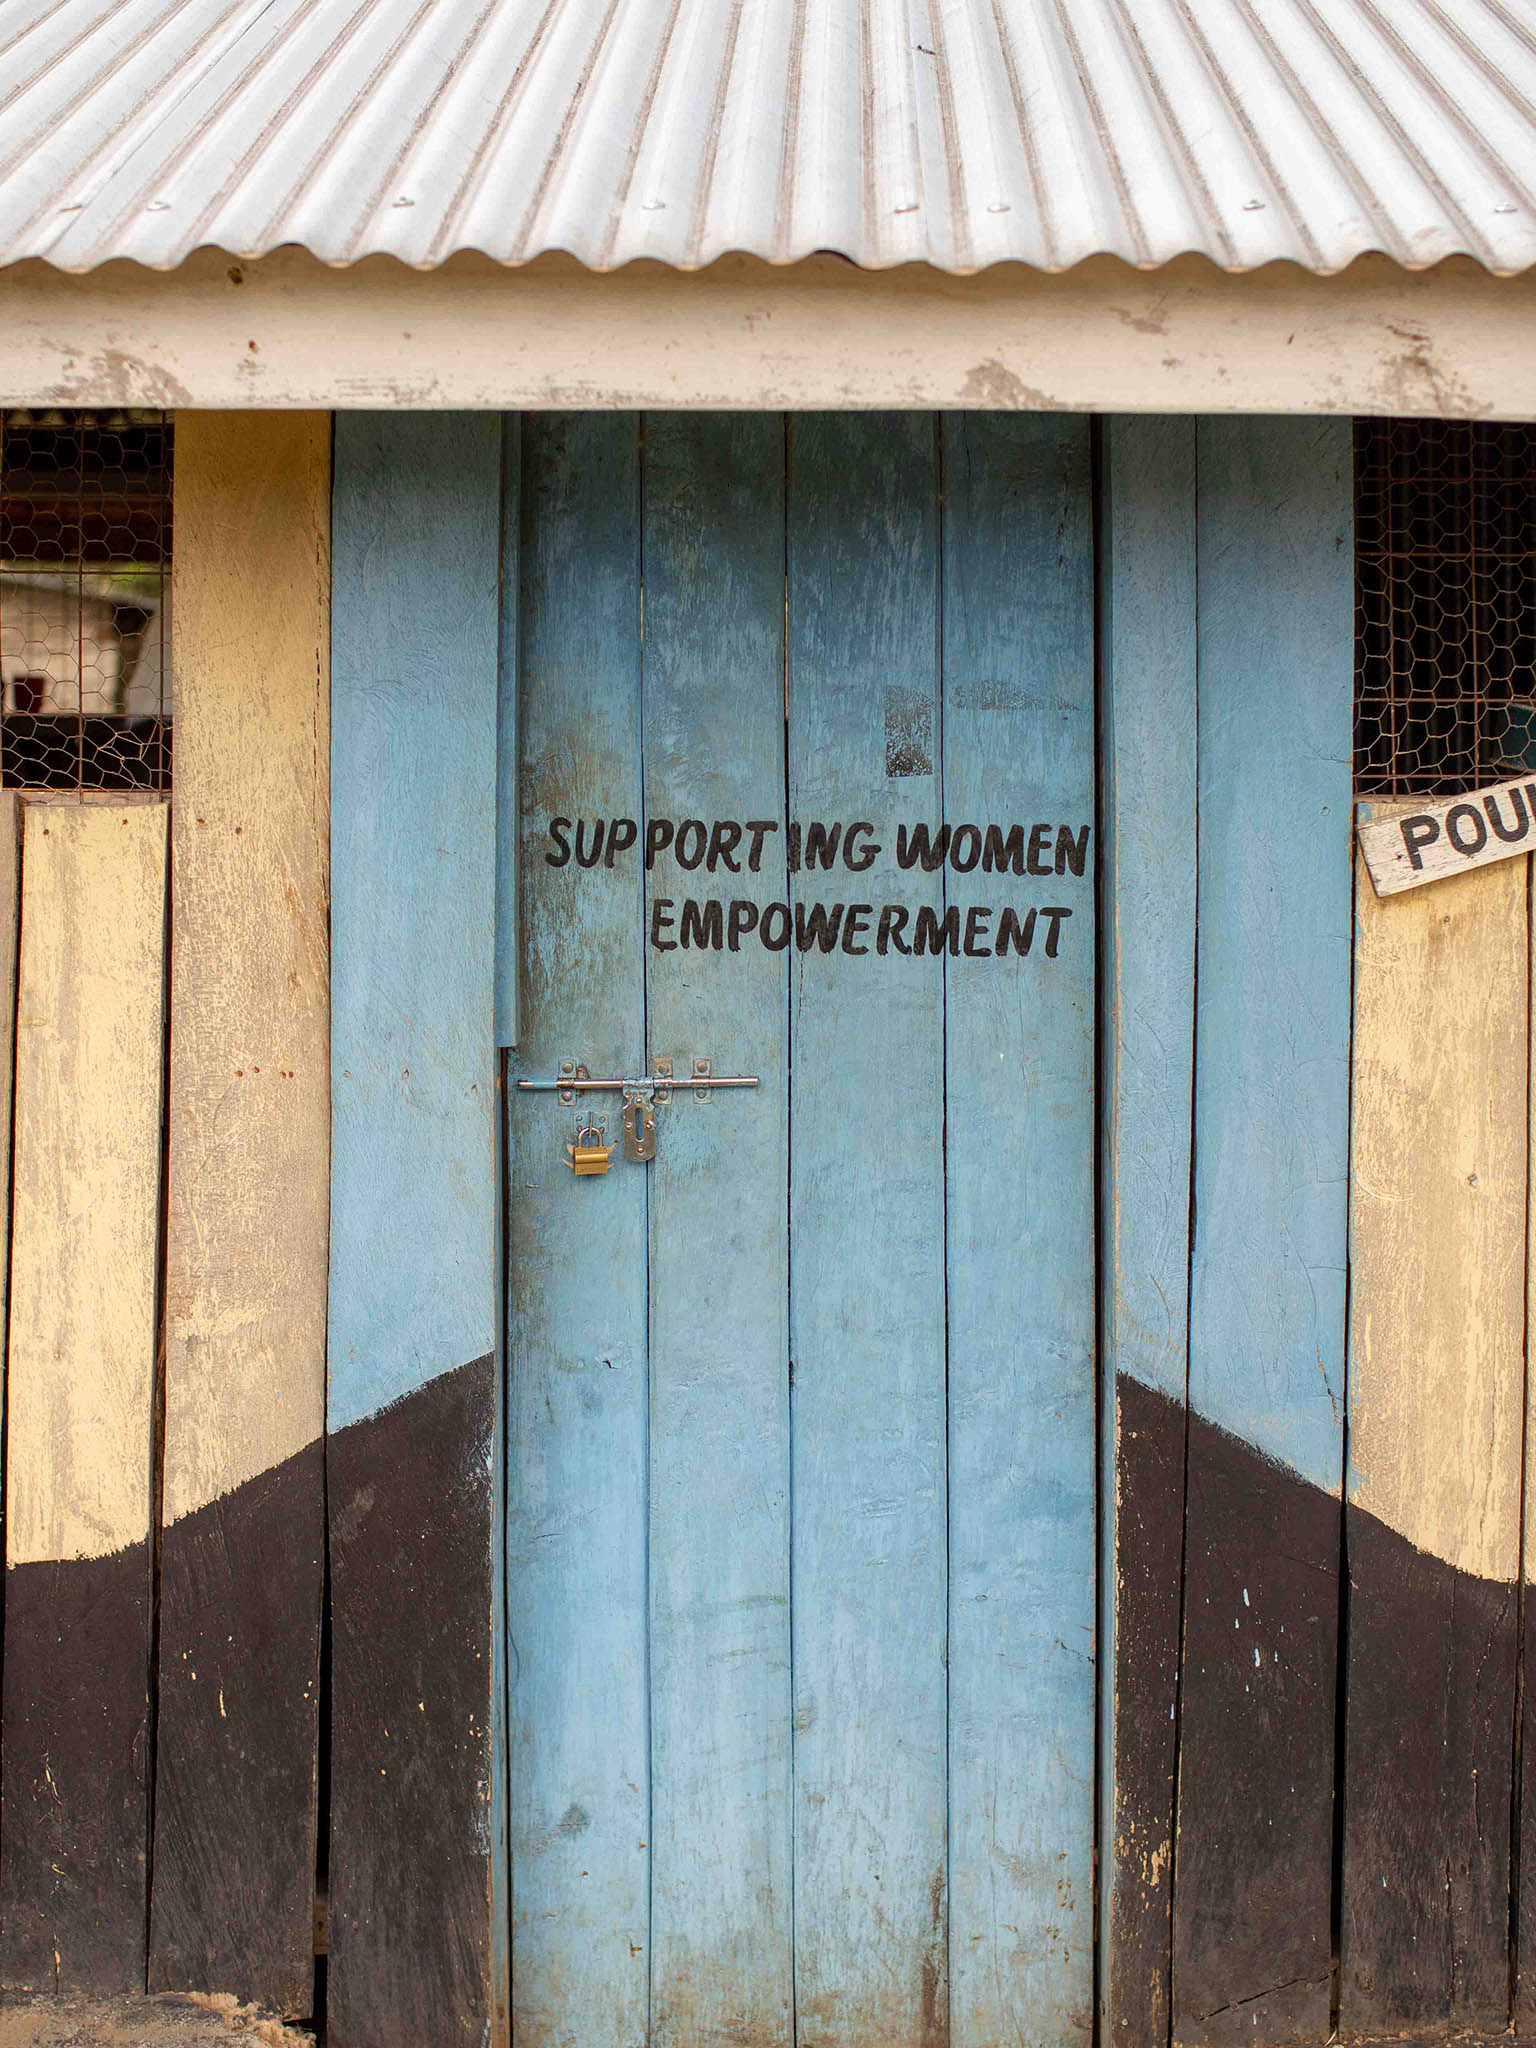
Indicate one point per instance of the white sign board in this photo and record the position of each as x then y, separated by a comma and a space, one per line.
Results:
1412, 847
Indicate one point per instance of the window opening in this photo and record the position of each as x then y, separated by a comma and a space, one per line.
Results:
1445, 605
85, 591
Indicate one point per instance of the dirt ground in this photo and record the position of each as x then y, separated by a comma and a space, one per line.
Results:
171, 2021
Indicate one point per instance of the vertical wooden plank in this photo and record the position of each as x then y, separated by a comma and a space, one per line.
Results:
509, 945
1018, 747
721, 1958
412, 1415
576, 1317
1252, 1876
81, 1400
1436, 1370
867, 1253
1147, 640
248, 1198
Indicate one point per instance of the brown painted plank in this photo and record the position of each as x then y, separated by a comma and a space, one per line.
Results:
1437, 1227
242, 1550
81, 1398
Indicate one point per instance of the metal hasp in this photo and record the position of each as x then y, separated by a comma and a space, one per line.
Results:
574, 1079
642, 1098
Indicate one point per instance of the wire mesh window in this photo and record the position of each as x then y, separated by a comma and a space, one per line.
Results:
85, 593
1445, 635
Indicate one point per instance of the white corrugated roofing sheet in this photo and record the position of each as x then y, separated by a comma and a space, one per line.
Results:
953, 132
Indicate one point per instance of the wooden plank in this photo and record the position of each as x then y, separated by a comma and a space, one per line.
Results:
867, 1255
1018, 744
721, 1960
1406, 845
413, 1321
576, 1316
248, 1202
1253, 1855
1147, 636
81, 1399
1437, 1230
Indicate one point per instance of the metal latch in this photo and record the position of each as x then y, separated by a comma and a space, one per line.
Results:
642, 1098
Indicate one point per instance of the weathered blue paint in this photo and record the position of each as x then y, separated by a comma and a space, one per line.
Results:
1254, 1840
867, 1255
413, 905
1018, 744
578, 1506
1276, 641
719, 1283
1148, 738
508, 931
413, 1264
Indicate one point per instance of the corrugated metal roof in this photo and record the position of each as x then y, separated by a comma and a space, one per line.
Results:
953, 132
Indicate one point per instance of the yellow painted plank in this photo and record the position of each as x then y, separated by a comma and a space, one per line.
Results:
250, 1037
1438, 1215
1436, 1394
248, 1203
89, 1067
10, 933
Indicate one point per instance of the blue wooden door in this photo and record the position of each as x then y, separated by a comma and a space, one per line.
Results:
801, 1469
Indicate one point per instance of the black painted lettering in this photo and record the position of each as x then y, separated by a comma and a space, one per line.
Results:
743, 919
1057, 919
893, 922
1035, 862
977, 919
935, 934
724, 838
688, 850
1003, 856
866, 856
584, 858
1011, 933
1419, 831
1071, 850
1452, 828
757, 831
855, 925
1513, 833
703, 925
965, 848
623, 836
929, 848
559, 832
661, 919
821, 843
774, 927
658, 837
815, 925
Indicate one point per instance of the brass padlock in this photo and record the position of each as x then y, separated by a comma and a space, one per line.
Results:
639, 1128
589, 1154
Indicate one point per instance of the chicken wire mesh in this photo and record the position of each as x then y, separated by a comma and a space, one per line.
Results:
85, 588
1445, 633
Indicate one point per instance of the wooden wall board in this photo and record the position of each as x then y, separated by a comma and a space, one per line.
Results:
713, 745
1148, 741
81, 1398
867, 1251
1253, 1851
411, 1460
248, 1202
1018, 743
577, 1495
1436, 1398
